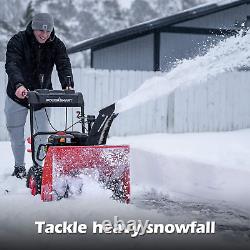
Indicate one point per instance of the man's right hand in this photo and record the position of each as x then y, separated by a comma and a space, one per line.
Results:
21, 92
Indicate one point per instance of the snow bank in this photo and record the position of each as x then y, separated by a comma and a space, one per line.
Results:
204, 166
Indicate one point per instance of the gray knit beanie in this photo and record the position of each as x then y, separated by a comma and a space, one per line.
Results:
43, 21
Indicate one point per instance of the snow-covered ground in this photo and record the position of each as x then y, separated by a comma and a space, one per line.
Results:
175, 178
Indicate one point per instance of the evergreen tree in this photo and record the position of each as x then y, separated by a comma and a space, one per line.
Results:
110, 15
167, 7
170, 7
141, 11
27, 16
191, 3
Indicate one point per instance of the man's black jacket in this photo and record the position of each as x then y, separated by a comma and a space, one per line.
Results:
31, 64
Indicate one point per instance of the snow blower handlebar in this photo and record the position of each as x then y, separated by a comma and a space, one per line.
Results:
54, 98
41, 98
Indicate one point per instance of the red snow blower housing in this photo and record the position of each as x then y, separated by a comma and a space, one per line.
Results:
68, 155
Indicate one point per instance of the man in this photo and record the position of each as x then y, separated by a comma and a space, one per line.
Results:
30, 58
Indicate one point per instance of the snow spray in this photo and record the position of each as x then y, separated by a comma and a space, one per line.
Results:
227, 55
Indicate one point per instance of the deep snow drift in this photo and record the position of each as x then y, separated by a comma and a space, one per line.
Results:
175, 178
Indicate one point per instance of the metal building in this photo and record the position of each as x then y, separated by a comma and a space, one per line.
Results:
159, 43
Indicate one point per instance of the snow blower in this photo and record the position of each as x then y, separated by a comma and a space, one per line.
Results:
67, 155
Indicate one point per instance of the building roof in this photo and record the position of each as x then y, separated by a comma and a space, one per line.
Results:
154, 25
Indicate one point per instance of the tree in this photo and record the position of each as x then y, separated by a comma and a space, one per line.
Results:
112, 17
170, 7
141, 11
27, 16
167, 7
191, 3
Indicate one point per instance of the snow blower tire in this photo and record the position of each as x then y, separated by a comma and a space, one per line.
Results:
34, 180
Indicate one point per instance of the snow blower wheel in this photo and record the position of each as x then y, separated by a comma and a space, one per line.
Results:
34, 179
